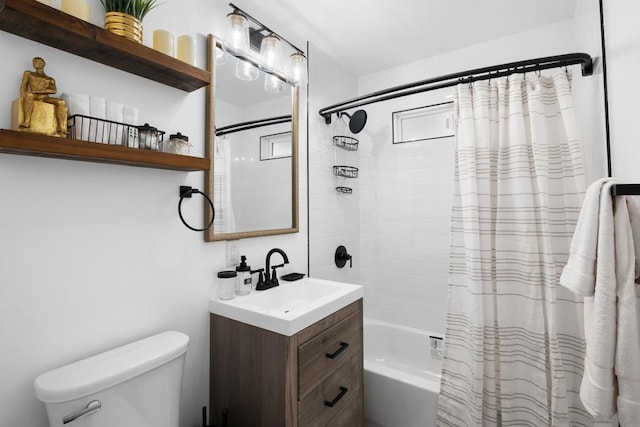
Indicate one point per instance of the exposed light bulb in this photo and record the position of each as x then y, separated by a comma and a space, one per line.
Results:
246, 70
237, 32
273, 84
298, 67
270, 51
221, 57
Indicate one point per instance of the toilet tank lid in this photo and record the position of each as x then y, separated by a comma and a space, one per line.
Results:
104, 370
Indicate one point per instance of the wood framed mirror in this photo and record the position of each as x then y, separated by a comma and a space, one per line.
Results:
252, 144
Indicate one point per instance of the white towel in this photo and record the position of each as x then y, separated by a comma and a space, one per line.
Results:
98, 107
115, 113
579, 275
598, 388
601, 267
131, 117
78, 104
627, 368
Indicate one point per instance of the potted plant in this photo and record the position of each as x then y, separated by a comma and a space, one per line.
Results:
124, 17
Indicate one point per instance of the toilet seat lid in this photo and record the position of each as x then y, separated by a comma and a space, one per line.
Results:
104, 370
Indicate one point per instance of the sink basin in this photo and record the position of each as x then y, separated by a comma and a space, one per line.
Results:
290, 307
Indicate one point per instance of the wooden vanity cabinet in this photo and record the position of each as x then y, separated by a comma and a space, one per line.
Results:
313, 378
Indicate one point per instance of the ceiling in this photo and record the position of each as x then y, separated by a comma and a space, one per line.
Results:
372, 35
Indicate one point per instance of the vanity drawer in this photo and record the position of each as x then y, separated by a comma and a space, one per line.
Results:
352, 415
336, 392
328, 351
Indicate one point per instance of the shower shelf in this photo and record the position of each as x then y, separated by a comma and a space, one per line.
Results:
345, 142
345, 171
344, 190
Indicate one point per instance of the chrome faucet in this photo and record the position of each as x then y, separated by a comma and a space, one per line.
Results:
272, 281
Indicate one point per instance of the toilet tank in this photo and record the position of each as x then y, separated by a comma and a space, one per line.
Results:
135, 385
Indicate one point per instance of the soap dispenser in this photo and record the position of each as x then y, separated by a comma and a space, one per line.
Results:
243, 283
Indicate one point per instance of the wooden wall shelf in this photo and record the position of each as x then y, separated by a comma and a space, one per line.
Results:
29, 144
44, 24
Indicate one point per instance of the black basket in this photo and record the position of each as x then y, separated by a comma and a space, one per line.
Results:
345, 142
345, 171
344, 190
113, 133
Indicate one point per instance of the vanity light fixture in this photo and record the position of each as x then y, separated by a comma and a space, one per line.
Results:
270, 52
273, 84
243, 36
221, 57
246, 70
297, 62
237, 36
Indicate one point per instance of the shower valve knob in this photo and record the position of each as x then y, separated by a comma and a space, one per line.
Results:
342, 256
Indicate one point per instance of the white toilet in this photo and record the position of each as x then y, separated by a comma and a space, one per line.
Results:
136, 385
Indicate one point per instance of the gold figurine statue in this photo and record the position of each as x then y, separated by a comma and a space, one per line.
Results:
37, 87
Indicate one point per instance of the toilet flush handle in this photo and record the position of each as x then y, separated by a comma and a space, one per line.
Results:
91, 407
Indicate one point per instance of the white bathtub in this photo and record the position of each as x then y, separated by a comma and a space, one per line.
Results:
401, 380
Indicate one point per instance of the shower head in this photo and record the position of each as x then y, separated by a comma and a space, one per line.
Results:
356, 121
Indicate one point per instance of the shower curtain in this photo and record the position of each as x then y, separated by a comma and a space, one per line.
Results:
224, 221
514, 340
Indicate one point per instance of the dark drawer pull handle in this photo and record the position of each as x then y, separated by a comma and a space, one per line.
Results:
343, 391
343, 346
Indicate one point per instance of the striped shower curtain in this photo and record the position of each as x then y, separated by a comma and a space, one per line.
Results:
514, 339
224, 221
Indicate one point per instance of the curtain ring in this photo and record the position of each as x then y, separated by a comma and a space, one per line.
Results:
187, 192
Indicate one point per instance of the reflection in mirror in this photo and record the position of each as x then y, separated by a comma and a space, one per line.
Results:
254, 179
276, 146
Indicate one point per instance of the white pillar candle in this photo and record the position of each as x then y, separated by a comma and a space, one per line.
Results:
163, 42
78, 8
187, 49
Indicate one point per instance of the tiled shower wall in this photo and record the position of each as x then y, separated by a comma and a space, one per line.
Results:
405, 202
333, 217
403, 192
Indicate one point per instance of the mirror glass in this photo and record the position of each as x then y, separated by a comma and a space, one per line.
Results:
253, 184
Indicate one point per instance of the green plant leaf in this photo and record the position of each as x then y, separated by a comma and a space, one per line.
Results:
135, 8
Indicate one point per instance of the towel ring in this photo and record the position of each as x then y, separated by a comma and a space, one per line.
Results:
187, 192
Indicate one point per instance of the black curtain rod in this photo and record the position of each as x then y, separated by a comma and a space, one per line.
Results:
478, 74
238, 127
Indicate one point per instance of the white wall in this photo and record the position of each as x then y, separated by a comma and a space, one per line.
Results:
589, 92
334, 217
623, 62
93, 256
405, 195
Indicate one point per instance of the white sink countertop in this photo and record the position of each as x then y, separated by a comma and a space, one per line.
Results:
289, 308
